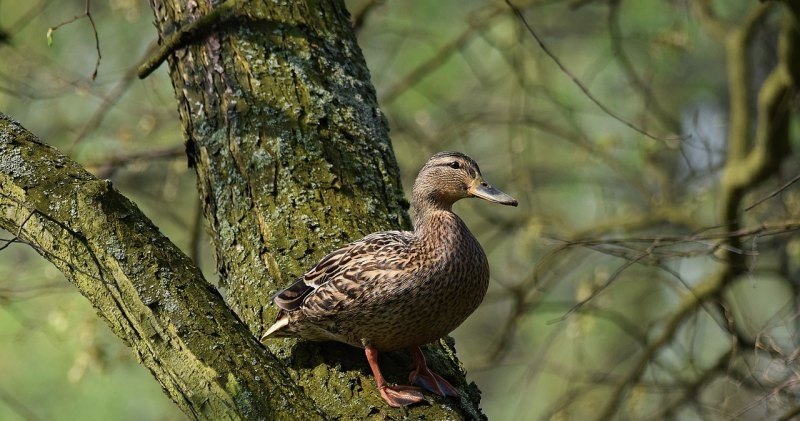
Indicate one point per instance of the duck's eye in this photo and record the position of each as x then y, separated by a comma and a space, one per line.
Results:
455, 165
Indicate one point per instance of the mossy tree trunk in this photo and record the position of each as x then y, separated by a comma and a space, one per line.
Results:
293, 159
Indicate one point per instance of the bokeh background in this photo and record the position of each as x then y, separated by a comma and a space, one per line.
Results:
616, 162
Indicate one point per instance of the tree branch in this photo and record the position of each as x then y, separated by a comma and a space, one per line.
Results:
146, 289
737, 46
190, 33
770, 146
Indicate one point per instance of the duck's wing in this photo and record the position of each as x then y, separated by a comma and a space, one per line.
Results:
345, 273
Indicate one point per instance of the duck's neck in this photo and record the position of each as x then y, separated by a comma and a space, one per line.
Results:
434, 220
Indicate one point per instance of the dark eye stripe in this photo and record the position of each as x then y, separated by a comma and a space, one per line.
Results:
471, 169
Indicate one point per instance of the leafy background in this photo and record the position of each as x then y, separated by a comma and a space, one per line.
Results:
571, 305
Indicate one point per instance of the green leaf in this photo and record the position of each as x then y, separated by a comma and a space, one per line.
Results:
50, 37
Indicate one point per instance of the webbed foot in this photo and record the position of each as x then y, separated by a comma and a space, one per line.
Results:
423, 376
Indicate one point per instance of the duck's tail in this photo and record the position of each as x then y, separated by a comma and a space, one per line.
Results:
275, 329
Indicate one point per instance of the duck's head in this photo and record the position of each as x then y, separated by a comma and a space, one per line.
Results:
451, 176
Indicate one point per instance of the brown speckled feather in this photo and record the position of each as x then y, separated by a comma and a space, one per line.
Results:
355, 269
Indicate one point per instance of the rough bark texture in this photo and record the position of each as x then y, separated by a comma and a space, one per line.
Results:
293, 159
146, 289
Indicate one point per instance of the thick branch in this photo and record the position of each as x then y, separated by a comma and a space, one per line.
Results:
147, 290
746, 168
737, 47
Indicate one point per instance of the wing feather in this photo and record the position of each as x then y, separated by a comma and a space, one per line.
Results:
343, 275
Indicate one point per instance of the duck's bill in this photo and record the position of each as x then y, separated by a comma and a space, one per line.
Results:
491, 193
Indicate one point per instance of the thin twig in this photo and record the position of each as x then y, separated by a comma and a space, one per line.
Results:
106, 167
609, 281
17, 407
667, 140
360, 17
106, 106
16, 238
761, 230
87, 13
438, 59
775, 193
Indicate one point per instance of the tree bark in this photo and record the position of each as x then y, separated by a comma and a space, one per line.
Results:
293, 159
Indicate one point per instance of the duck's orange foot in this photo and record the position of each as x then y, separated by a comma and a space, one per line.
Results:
432, 382
395, 396
398, 396
423, 376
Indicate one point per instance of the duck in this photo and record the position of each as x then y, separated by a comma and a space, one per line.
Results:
396, 290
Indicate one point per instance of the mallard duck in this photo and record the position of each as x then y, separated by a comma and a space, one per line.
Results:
399, 289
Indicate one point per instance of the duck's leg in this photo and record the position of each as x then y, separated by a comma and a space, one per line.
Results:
395, 396
423, 376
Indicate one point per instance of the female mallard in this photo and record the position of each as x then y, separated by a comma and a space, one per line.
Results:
399, 289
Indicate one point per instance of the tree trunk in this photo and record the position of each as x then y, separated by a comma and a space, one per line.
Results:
293, 159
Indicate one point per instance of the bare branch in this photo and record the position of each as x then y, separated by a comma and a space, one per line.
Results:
18, 407
106, 167
438, 58
189, 34
87, 13
16, 238
777, 191
360, 16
